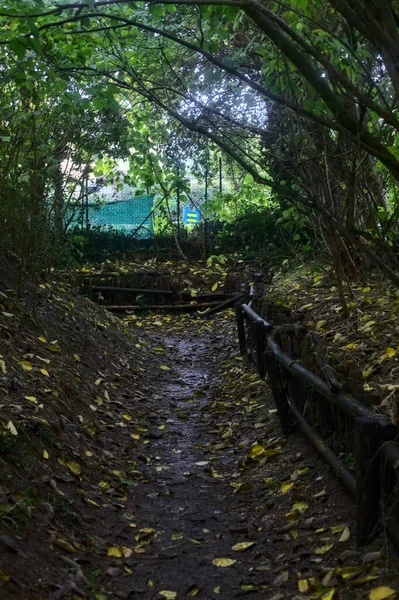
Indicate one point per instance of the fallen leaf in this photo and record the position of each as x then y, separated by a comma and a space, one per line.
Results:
256, 450
11, 428
26, 365
380, 593
223, 562
74, 467
242, 546
329, 595
303, 586
45, 454
45, 372
323, 549
286, 487
214, 287
193, 591
31, 399
169, 595
165, 368
345, 535
119, 551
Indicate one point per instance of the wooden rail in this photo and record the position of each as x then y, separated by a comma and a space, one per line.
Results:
375, 438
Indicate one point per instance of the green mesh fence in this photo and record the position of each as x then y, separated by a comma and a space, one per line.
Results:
125, 215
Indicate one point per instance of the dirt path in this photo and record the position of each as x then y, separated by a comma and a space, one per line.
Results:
224, 507
167, 475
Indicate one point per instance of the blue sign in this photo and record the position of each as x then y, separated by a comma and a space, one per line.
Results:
191, 215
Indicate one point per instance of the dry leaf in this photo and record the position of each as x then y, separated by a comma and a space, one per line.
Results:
11, 428
242, 546
74, 467
380, 593
223, 562
26, 365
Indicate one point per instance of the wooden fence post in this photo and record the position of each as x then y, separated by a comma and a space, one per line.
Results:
368, 485
279, 395
260, 345
240, 328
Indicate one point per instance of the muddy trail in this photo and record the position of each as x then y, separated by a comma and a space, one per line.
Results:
223, 506
191, 490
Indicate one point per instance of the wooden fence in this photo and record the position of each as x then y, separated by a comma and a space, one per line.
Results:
370, 440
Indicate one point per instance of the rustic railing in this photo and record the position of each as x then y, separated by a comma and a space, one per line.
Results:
372, 439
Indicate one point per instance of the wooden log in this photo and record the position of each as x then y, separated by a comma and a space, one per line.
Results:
348, 405
104, 288
253, 316
184, 294
338, 467
204, 295
223, 305
368, 486
240, 328
177, 307
279, 395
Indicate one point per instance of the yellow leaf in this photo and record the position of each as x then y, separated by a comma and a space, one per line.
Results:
300, 506
77, 357
380, 593
165, 368
329, 595
223, 562
214, 287
98, 381
345, 535
349, 572
242, 546
3, 368
54, 348
45, 372
303, 586
8, 315
11, 428
323, 549
119, 551
42, 339
74, 467
390, 351
26, 365
320, 325
31, 399
286, 487
45, 454
135, 436
127, 417
168, 594
256, 450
